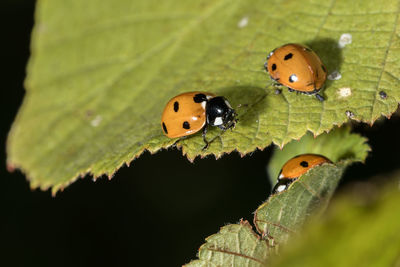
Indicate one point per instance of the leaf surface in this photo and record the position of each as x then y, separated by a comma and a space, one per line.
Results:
100, 74
283, 214
233, 245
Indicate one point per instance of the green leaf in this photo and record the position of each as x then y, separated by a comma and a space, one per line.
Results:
99, 77
234, 245
284, 214
356, 231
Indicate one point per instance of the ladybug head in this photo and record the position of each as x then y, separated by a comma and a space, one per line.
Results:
282, 185
220, 113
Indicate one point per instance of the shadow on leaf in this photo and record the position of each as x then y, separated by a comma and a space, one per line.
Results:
244, 99
330, 53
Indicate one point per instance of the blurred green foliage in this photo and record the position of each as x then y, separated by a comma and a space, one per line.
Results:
358, 230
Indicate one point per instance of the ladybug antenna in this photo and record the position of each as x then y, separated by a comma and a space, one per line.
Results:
242, 106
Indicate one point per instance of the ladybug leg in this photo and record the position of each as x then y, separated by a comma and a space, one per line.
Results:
291, 90
277, 86
224, 128
275, 82
204, 138
320, 97
234, 124
179, 139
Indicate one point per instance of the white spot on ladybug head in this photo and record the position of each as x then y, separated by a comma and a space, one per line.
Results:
203, 104
96, 121
335, 75
344, 92
218, 121
243, 22
208, 97
281, 188
345, 39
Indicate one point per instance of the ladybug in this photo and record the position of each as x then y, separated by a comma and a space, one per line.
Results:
190, 112
296, 167
298, 68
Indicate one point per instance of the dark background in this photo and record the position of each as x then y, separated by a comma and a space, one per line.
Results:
156, 212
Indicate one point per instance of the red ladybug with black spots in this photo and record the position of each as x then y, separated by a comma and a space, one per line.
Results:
296, 167
190, 112
298, 68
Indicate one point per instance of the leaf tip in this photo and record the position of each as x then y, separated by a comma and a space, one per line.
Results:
55, 190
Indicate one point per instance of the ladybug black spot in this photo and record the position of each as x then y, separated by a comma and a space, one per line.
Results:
323, 67
186, 125
176, 106
288, 56
273, 67
304, 164
198, 98
165, 128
